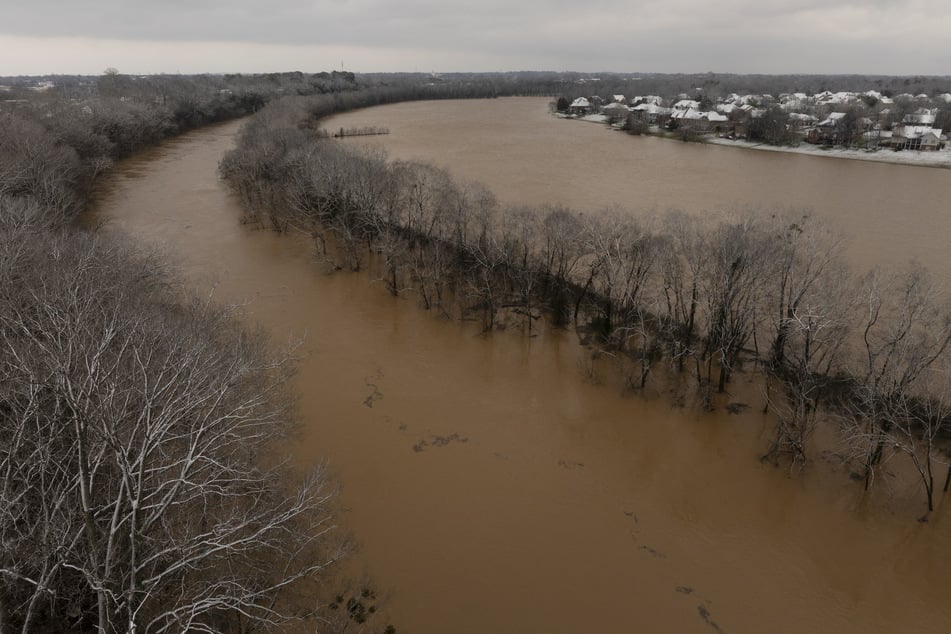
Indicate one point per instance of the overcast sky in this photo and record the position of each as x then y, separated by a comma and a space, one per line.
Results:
898, 37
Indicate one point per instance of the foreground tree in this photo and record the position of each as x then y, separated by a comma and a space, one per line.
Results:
138, 486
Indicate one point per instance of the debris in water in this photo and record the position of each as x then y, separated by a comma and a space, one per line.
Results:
654, 553
376, 394
708, 618
438, 441
737, 408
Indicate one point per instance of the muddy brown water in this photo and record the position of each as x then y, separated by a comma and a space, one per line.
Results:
889, 213
493, 488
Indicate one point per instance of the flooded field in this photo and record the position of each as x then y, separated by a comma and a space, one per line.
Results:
492, 485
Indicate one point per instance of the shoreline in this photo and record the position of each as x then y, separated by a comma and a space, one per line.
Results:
939, 159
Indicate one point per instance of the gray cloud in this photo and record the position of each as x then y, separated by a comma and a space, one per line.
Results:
888, 36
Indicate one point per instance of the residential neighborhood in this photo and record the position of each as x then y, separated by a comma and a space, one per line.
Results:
868, 120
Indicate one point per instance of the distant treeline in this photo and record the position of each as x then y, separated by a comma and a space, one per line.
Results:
764, 292
715, 85
54, 142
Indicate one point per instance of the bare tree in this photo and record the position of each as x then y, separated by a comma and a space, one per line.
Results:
561, 255
623, 254
815, 333
906, 332
33, 166
731, 281
810, 289
683, 256
139, 492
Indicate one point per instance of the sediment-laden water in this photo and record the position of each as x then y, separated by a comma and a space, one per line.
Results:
493, 485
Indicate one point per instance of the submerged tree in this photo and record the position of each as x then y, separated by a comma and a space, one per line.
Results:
906, 334
810, 291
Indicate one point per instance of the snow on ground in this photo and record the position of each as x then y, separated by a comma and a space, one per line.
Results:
941, 158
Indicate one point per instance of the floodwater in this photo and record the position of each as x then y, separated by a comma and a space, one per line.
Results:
889, 213
494, 487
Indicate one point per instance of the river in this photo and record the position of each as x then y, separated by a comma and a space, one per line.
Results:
494, 488
888, 213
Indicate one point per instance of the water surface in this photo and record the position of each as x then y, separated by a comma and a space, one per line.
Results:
491, 486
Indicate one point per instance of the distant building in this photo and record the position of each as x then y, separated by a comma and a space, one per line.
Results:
615, 111
687, 104
917, 137
921, 116
580, 106
651, 113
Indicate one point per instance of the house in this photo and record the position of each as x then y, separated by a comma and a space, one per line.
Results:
684, 116
917, 137
687, 104
799, 121
921, 116
700, 121
651, 113
580, 106
829, 131
621, 99
654, 99
717, 122
615, 111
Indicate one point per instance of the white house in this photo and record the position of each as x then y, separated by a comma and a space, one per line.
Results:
916, 137
580, 106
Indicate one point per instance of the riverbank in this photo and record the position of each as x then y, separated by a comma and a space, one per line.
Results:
941, 158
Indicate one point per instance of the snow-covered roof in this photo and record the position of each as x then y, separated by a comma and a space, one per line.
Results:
827, 97
832, 119
580, 102
697, 115
651, 108
917, 131
619, 98
689, 113
686, 104
919, 117
804, 118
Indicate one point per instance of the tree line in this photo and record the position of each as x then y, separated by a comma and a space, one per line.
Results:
715, 85
142, 486
694, 299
